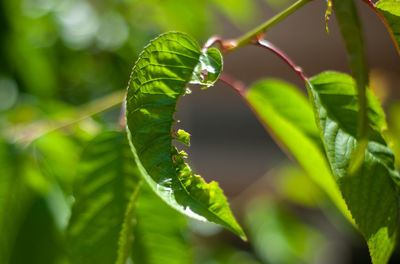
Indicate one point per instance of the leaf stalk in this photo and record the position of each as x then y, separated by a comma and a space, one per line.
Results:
260, 30
269, 46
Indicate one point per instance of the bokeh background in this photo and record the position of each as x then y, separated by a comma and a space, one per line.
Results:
65, 60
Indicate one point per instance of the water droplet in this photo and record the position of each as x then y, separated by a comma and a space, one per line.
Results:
203, 74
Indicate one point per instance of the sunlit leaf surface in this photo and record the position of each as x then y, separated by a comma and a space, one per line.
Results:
289, 117
370, 192
159, 78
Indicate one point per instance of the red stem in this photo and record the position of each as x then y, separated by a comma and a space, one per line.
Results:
122, 118
269, 46
237, 85
211, 41
370, 3
225, 45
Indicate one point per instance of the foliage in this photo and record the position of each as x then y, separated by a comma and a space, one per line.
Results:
107, 184
292, 121
80, 184
158, 80
334, 99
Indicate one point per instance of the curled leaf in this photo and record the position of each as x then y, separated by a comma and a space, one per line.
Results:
159, 79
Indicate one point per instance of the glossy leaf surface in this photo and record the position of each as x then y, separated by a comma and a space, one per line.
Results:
288, 116
159, 78
370, 192
390, 10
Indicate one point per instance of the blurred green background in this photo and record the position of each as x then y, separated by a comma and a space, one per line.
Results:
67, 60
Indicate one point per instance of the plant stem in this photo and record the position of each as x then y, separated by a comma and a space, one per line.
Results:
126, 236
369, 2
269, 46
248, 37
237, 85
122, 117
211, 41
240, 88
38, 129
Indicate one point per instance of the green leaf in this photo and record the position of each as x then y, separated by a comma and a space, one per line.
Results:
289, 117
27, 221
390, 13
107, 180
394, 129
159, 232
58, 157
350, 27
158, 80
370, 192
